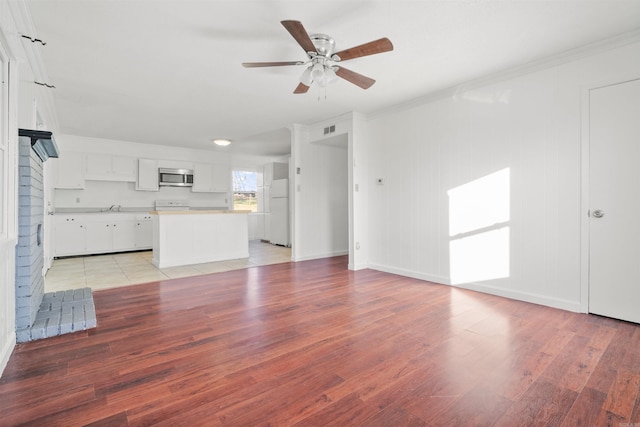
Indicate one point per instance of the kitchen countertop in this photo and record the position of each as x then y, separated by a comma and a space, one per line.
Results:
199, 212
100, 210
66, 211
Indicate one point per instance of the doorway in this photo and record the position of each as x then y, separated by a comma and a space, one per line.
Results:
614, 201
321, 198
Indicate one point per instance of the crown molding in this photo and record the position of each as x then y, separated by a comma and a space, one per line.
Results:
512, 72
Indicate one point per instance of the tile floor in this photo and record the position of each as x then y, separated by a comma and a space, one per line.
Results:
123, 269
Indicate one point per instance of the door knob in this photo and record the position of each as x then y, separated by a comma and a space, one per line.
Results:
598, 213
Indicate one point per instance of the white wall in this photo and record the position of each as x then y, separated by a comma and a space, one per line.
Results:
321, 212
359, 188
528, 124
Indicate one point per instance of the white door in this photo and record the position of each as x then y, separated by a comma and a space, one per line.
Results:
614, 199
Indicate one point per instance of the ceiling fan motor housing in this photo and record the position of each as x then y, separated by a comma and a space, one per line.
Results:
325, 45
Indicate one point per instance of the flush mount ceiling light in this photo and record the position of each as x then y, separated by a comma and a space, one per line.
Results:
221, 142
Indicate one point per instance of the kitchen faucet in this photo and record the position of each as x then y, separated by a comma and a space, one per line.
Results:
117, 208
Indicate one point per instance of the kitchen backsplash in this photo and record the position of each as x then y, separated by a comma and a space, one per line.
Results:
101, 194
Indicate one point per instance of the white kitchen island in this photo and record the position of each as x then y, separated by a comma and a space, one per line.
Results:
196, 237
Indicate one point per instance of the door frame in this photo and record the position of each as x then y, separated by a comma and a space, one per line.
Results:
585, 120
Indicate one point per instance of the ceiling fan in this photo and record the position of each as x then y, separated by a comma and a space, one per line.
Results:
324, 62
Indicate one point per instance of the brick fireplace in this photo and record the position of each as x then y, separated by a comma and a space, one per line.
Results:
40, 315
29, 255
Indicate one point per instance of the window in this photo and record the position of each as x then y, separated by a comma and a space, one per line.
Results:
245, 188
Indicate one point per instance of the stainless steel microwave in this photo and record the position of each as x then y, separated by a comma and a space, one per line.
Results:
175, 177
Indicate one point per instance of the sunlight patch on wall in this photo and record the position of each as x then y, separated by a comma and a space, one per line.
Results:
483, 256
479, 213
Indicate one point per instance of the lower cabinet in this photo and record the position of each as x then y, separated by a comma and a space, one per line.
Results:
69, 236
144, 232
110, 236
85, 234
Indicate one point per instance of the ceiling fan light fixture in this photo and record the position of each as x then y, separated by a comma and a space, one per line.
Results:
221, 142
305, 78
317, 72
330, 74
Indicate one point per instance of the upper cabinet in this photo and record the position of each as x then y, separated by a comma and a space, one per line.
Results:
147, 175
72, 169
69, 170
221, 178
208, 178
104, 167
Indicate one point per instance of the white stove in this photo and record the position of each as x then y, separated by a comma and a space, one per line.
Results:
172, 205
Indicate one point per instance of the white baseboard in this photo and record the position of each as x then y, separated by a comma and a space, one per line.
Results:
356, 267
524, 296
5, 353
487, 289
318, 256
410, 273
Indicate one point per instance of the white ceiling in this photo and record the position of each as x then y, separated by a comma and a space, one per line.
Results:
168, 71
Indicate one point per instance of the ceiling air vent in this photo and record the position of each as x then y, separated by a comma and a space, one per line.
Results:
329, 129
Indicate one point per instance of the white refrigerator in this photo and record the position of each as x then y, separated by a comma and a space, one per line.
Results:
279, 216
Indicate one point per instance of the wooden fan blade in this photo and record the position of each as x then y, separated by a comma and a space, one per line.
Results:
357, 79
371, 48
270, 64
298, 32
302, 88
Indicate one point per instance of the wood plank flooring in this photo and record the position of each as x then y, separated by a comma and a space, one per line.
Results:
313, 344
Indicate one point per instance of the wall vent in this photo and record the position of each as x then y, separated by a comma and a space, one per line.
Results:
329, 129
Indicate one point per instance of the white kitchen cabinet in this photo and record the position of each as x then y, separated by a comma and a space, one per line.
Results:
147, 175
266, 199
211, 178
260, 198
123, 168
203, 178
69, 235
256, 226
69, 170
221, 178
96, 233
99, 237
104, 167
267, 227
113, 235
144, 232
124, 235
253, 225
260, 229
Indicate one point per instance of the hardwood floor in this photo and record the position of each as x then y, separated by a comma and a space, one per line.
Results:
313, 344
